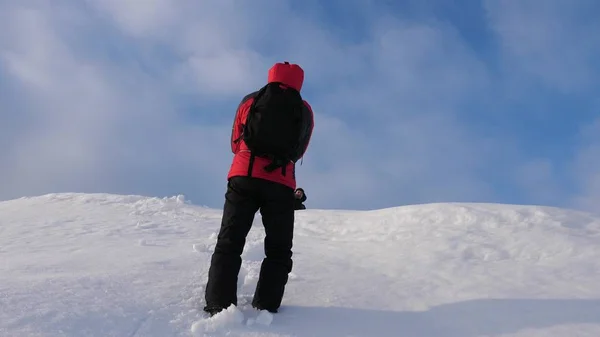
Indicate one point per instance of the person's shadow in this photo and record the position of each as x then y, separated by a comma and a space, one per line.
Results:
484, 317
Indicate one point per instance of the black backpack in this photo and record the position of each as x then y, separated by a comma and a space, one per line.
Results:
274, 124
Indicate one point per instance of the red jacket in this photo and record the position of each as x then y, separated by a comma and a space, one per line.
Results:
293, 76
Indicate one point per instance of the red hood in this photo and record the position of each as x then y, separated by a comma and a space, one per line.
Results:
291, 75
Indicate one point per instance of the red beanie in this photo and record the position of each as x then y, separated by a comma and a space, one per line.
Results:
291, 75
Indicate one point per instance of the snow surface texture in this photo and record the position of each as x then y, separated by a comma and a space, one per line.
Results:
108, 265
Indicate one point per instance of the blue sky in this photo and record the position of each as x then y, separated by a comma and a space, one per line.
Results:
415, 101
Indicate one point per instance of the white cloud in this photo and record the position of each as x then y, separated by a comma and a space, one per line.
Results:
555, 41
105, 120
397, 135
142, 19
101, 82
550, 51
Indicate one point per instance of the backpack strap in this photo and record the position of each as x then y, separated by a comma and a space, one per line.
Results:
251, 164
259, 93
252, 106
277, 163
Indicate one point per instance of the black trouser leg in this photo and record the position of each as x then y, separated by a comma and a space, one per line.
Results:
278, 219
241, 204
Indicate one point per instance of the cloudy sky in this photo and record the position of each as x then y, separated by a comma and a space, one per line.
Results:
415, 101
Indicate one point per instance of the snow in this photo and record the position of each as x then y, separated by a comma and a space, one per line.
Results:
132, 266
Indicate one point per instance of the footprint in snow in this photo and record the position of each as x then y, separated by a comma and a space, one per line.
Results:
208, 246
152, 243
146, 225
230, 317
264, 318
202, 248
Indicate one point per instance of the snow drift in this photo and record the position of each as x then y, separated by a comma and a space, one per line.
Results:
111, 265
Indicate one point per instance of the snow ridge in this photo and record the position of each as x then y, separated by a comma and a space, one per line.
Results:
117, 265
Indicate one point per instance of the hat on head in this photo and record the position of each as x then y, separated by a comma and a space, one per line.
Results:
291, 75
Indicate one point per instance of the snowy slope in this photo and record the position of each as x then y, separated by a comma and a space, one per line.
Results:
109, 265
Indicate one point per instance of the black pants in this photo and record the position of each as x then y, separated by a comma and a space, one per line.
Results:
244, 197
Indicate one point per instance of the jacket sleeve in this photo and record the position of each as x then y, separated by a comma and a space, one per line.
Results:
240, 116
236, 132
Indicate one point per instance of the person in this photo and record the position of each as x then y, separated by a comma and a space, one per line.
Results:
300, 197
262, 180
